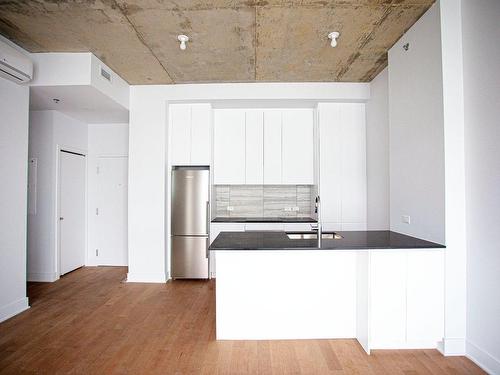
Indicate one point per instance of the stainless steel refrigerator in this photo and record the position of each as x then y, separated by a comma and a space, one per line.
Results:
190, 222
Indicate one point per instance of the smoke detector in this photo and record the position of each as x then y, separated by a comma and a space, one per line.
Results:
333, 36
183, 39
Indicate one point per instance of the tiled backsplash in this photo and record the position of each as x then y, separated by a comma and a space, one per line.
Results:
263, 200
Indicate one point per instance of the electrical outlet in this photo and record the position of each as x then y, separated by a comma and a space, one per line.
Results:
295, 209
230, 208
406, 219
288, 209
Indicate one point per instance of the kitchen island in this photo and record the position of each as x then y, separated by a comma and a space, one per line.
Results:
383, 288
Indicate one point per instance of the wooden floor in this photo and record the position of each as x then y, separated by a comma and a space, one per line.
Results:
90, 322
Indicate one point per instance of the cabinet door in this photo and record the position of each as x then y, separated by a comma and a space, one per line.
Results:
200, 134
353, 148
272, 147
330, 165
342, 142
388, 299
254, 149
180, 137
425, 297
297, 146
229, 147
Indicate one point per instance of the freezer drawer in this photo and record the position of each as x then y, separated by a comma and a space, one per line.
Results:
189, 257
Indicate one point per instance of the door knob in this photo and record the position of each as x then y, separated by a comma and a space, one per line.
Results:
61, 218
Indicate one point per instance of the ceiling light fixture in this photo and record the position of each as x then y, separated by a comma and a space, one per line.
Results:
333, 36
183, 39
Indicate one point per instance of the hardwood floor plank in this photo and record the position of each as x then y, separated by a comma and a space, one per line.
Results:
91, 322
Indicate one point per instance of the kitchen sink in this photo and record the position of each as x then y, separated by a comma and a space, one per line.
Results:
313, 236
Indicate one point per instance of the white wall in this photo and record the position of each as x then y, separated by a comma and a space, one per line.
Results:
377, 153
427, 150
49, 132
104, 140
147, 154
416, 131
481, 56
14, 106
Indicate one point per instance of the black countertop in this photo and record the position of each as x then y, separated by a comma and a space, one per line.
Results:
264, 220
352, 240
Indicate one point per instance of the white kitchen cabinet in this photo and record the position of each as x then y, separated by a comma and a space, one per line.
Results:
330, 165
342, 141
425, 297
388, 296
297, 146
229, 147
254, 147
190, 140
406, 298
180, 137
272, 147
201, 143
352, 117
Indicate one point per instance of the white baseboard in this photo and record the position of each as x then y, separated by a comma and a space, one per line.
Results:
146, 277
482, 358
43, 277
452, 347
13, 308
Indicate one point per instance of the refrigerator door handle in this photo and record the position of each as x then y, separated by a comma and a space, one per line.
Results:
208, 228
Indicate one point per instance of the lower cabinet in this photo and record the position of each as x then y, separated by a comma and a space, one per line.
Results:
406, 289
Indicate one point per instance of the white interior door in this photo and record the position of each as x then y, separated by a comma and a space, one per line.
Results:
71, 211
112, 211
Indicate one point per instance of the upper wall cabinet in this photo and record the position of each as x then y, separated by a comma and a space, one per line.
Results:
190, 140
254, 147
229, 147
272, 146
297, 147
342, 137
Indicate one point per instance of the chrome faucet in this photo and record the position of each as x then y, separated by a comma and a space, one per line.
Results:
317, 210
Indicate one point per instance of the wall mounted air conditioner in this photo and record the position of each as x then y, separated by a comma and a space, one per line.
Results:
14, 65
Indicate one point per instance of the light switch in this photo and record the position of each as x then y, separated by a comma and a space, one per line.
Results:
406, 219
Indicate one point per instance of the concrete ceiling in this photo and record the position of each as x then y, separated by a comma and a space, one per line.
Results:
231, 40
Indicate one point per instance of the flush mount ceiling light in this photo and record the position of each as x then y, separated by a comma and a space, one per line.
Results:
333, 36
183, 39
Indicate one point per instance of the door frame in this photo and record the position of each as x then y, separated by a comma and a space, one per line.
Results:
57, 249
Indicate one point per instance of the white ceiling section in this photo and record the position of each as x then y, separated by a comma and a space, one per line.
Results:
80, 90
84, 103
